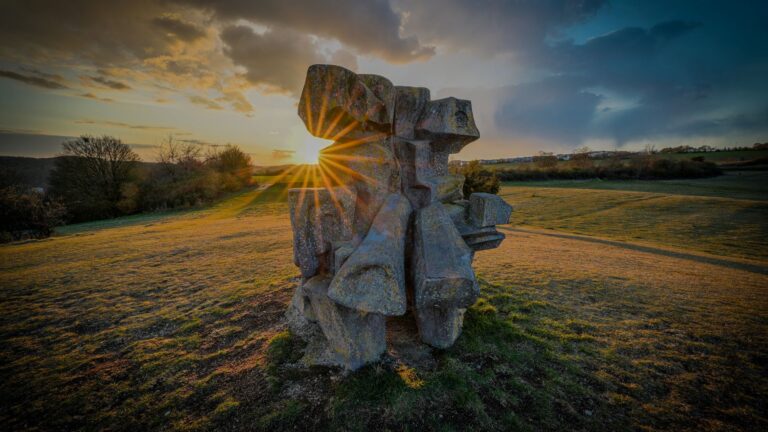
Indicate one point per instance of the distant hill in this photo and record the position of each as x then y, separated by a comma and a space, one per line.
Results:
33, 171
26, 170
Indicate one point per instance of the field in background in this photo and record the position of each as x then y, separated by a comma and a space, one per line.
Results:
658, 320
725, 215
720, 158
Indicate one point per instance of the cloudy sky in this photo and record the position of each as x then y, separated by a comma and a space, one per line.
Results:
542, 74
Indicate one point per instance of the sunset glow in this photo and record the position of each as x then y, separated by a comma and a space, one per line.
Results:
541, 76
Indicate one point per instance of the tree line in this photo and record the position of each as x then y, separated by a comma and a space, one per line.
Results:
102, 177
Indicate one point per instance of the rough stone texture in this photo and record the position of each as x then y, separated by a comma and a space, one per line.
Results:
488, 210
442, 262
354, 337
370, 168
439, 327
448, 123
319, 217
395, 201
335, 102
373, 277
408, 108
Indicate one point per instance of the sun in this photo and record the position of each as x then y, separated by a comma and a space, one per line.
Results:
310, 147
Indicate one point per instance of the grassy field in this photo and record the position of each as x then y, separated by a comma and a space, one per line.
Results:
721, 157
174, 321
725, 215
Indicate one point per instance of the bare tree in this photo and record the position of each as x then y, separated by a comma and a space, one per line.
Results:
545, 159
90, 174
581, 157
178, 158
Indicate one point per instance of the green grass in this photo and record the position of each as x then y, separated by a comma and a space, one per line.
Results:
725, 215
750, 185
174, 321
722, 157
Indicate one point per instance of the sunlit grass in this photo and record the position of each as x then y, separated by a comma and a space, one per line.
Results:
174, 321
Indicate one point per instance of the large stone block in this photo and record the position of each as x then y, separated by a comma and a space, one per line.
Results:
449, 124
335, 103
372, 279
370, 168
319, 217
482, 238
488, 210
409, 104
419, 172
354, 337
442, 262
384, 90
301, 319
439, 327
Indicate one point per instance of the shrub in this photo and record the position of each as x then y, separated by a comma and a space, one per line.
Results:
477, 179
545, 160
25, 213
645, 167
184, 177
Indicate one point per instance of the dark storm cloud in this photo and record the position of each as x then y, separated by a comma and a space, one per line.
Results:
555, 108
288, 52
671, 29
32, 80
637, 83
492, 26
103, 32
369, 27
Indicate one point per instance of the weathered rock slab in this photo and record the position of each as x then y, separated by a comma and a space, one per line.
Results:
442, 262
319, 217
372, 279
439, 327
354, 337
488, 210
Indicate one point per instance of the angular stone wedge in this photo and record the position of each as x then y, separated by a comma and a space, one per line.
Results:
448, 123
319, 217
372, 279
370, 168
384, 90
487, 210
409, 104
439, 327
336, 102
420, 183
442, 262
301, 318
354, 338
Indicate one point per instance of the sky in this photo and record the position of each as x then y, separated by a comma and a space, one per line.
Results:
542, 75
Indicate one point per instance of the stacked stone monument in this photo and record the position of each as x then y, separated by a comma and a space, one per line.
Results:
391, 232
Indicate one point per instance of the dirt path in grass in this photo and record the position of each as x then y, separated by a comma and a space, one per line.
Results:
728, 262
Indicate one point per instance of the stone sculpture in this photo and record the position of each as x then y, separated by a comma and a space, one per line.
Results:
393, 233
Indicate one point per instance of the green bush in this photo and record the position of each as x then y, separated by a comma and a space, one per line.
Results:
477, 179
645, 167
184, 177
